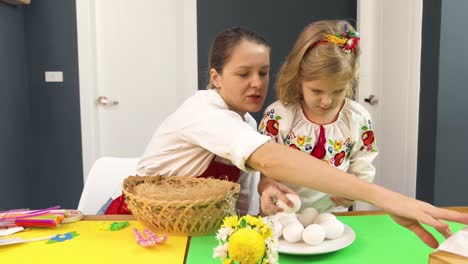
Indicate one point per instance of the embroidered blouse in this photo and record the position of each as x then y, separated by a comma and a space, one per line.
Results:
348, 143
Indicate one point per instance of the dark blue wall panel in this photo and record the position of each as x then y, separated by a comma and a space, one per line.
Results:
14, 110
51, 34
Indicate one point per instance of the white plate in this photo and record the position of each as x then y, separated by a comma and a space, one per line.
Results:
328, 245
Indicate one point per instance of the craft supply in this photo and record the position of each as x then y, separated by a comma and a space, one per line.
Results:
153, 237
62, 237
117, 226
10, 230
17, 240
49, 217
114, 226
150, 240
72, 216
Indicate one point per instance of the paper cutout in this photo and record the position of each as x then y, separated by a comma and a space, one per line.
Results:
151, 238
62, 237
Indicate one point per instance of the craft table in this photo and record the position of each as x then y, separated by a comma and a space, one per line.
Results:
378, 240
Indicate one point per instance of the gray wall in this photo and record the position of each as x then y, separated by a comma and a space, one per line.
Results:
40, 138
451, 166
278, 21
14, 110
428, 100
50, 27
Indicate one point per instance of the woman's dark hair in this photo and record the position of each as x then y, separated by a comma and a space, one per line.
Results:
224, 43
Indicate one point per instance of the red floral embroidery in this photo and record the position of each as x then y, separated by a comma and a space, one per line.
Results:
339, 158
272, 127
368, 137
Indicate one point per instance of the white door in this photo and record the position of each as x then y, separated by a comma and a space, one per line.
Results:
140, 57
390, 71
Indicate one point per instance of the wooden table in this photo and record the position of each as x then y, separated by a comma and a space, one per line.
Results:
442, 257
434, 258
378, 240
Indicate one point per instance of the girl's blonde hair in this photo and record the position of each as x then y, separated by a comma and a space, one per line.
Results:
308, 61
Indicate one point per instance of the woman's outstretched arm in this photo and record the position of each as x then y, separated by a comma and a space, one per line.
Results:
288, 165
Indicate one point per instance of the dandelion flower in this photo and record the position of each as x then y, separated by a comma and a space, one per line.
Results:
246, 246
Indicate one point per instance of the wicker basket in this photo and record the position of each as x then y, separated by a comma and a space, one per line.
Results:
180, 205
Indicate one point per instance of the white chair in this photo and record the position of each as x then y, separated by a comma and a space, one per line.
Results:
105, 182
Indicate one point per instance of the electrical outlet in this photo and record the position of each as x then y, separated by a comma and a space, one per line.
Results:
54, 76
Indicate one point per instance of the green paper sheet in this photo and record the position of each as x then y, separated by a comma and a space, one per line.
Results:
378, 240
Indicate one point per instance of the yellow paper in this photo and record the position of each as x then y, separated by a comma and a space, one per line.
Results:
92, 246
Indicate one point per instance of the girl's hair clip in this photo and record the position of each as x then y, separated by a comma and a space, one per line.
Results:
348, 40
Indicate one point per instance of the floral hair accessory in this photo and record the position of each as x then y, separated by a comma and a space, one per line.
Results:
348, 40
246, 240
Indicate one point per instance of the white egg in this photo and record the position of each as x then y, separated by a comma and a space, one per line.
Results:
324, 217
296, 203
307, 216
283, 214
277, 229
333, 228
286, 220
313, 234
293, 232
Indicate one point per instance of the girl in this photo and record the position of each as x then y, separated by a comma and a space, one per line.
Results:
314, 114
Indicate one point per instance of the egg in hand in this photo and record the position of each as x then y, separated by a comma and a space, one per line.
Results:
296, 203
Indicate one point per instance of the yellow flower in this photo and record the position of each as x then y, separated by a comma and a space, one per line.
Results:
227, 261
246, 246
300, 140
338, 144
231, 221
266, 232
253, 221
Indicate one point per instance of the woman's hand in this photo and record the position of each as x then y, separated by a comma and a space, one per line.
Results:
271, 192
340, 201
411, 213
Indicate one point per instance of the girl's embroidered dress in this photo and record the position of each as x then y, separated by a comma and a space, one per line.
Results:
348, 143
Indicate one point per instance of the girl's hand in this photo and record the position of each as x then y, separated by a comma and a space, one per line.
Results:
340, 201
272, 192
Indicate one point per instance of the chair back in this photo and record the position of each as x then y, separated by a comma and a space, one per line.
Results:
104, 182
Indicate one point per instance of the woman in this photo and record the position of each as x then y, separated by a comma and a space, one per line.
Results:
212, 134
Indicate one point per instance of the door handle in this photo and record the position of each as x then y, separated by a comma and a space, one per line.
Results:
102, 100
371, 100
